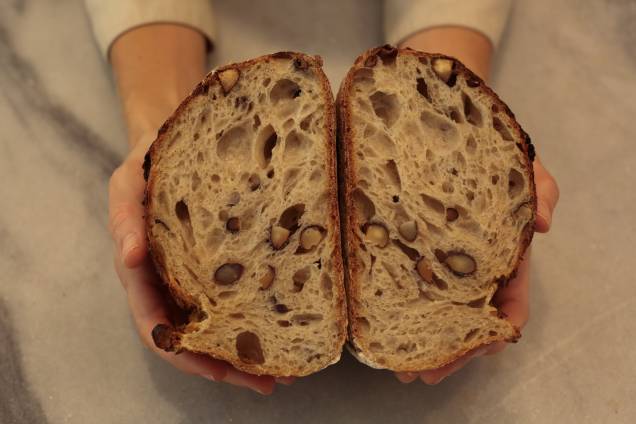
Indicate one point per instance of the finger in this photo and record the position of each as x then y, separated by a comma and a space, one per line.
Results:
262, 384
407, 377
435, 376
513, 300
547, 197
148, 310
126, 224
287, 381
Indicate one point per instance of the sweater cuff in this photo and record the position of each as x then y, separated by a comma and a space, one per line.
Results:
110, 19
403, 18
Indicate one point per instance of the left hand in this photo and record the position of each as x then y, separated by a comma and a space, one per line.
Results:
513, 299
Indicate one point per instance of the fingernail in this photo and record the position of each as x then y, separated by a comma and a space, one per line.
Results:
216, 376
263, 392
210, 377
128, 245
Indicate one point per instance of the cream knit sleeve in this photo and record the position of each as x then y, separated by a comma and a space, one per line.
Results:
112, 18
403, 18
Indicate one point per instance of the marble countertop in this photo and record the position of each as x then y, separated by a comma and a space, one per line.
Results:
68, 349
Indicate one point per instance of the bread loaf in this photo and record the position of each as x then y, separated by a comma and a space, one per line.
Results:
242, 218
438, 206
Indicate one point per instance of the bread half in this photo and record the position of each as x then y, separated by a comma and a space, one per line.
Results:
438, 207
242, 218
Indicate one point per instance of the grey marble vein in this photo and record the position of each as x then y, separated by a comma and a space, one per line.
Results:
18, 404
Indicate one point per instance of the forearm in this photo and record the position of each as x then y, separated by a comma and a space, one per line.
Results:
155, 67
469, 46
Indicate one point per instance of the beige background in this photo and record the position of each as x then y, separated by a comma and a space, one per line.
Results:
68, 351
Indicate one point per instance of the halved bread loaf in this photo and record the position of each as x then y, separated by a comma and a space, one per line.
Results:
438, 207
242, 218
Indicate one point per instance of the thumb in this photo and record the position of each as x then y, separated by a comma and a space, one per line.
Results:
126, 212
547, 196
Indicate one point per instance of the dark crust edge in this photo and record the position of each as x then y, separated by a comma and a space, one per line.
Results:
347, 177
184, 299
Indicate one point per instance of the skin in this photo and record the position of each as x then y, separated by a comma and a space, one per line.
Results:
155, 67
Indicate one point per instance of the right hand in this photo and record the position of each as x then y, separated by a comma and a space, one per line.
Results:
138, 277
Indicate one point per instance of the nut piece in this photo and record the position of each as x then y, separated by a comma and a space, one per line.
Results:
279, 237
233, 225
424, 269
228, 79
376, 234
311, 237
248, 348
408, 230
228, 274
443, 68
451, 214
267, 278
460, 263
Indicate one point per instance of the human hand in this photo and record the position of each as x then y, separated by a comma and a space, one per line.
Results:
511, 299
143, 286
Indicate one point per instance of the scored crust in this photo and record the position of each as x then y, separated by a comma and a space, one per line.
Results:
402, 316
255, 144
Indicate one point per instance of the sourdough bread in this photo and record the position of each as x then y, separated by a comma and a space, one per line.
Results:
242, 218
438, 204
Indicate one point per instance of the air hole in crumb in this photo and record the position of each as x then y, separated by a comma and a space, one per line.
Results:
253, 182
326, 285
306, 319
299, 278
265, 144
306, 122
396, 198
447, 187
290, 217
215, 178
296, 145
471, 144
200, 158
411, 253
363, 205
363, 324
378, 293
196, 136
516, 183
433, 204
455, 115
494, 179
470, 196
471, 335
266, 82
183, 215
234, 145
422, 88
270, 173
283, 323
257, 122
284, 90
375, 347
471, 112
227, 294
386, 107
281, 308
501, 128
196, 181
391, 171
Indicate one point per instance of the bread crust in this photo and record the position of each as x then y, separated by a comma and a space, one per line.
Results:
169, 337
347, 181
